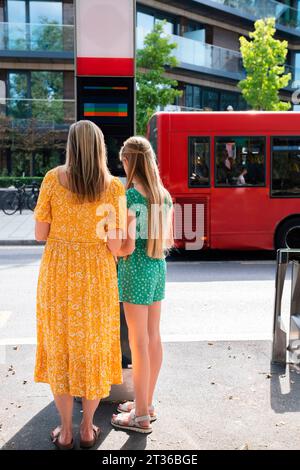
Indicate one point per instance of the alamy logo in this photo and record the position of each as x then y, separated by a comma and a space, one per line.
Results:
188, 222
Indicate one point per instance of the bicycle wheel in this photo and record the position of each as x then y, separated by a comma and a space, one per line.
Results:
11, 203
31, 201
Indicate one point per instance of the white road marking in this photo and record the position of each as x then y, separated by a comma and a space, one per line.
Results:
214, 338
17, 341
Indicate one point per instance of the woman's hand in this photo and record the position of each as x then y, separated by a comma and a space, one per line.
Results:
128, 243
114, 241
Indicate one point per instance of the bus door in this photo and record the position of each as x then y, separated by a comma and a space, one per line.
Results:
190, 181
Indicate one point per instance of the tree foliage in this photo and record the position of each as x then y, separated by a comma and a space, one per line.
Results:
153, 87
264, 60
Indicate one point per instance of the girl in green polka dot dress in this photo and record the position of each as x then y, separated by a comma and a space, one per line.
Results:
142, 277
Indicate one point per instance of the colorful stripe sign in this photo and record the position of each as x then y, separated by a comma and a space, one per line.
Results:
106, 88
105, 109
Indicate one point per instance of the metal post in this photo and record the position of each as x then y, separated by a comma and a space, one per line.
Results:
279, 334
281, 342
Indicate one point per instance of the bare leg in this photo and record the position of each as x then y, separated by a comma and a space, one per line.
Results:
137, 321
86, 426
64, 404
155, 347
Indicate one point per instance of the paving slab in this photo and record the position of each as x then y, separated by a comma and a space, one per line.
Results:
217, 395
17, 229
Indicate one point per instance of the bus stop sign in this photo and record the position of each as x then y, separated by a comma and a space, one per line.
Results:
105, 70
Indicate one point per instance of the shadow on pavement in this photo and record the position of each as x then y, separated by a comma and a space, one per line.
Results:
285, 388
35, 435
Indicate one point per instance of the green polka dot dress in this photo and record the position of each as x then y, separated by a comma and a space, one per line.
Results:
141, 279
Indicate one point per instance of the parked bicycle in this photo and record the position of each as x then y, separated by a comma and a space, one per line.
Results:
21, 198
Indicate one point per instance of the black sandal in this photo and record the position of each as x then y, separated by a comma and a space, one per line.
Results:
58, 445
90, 444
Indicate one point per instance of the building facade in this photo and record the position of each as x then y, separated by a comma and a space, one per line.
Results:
207, 34
36, 84
37, 102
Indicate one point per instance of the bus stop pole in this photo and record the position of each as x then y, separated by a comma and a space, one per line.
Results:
283, 343
279, 334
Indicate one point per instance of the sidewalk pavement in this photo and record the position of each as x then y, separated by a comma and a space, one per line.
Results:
222, 395
17, 229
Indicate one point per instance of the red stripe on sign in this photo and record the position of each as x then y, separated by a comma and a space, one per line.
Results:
105, 66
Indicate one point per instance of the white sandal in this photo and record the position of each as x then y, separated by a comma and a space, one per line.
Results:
126, 408
133, 422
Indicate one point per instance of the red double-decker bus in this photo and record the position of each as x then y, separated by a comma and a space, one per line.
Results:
241, 168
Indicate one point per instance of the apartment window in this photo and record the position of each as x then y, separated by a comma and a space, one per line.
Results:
146, 18
34, 11
45, 12
2, 89
286, 166
145, 21
18, 93
18, 85
297, 67
240, 161
192, 96
217, 100
199, 162
195, 31
16, 11
30, 95
229, 99
29, 25
210, 99
16, 17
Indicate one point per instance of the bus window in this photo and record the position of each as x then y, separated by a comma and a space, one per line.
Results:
286, 166
199, 158
240, 161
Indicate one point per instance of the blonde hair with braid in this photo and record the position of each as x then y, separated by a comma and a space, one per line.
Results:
141, 160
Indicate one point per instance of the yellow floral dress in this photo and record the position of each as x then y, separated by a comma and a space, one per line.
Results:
78, 323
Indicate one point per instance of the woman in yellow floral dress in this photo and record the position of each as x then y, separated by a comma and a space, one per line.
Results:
80, 212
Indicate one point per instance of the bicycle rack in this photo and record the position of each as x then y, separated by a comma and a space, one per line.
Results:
286, 345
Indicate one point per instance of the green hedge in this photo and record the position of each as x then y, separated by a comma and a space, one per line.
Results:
6, 181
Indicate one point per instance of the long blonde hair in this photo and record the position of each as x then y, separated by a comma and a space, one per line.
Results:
141, 160
86, 161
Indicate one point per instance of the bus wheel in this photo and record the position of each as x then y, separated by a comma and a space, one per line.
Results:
288, 235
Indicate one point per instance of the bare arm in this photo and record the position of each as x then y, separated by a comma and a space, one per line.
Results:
170, 234
42, 230
114, 241
128, 244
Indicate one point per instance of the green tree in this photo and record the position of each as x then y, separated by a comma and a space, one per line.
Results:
264, 60
153, 87
48, 35
47, 93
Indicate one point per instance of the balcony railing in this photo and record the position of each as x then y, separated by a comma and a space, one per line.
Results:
212, 59
31, 37
191, 53
286, 16
207, 56
38, 113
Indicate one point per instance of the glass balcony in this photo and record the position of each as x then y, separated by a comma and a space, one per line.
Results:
294, 83
286, 17
30, 37
211, 59
38, 113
